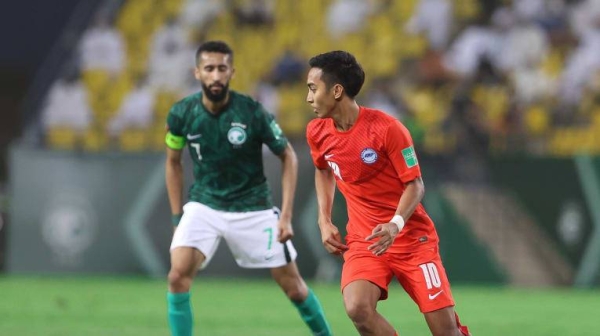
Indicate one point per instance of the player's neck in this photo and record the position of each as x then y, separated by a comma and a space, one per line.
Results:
346, 116
215, 107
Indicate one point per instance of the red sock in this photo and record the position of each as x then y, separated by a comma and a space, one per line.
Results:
463, 329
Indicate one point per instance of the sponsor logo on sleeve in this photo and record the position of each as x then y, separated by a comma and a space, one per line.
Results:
277, 132
410, 157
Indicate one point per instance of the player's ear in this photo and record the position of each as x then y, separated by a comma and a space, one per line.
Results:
232, 72
338, 91
197, 73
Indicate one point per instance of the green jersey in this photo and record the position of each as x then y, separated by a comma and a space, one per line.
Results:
226, 150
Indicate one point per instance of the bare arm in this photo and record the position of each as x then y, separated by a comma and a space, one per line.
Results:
387, 232
325, 189
174, 180
412, 196
289, 178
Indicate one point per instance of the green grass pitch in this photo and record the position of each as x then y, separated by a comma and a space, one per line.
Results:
103, 306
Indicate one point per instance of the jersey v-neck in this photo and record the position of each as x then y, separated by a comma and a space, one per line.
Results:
361, 112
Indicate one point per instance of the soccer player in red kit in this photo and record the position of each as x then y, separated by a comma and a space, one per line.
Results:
371, 158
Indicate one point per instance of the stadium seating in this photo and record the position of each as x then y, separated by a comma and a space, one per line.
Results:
383, 47
61, 138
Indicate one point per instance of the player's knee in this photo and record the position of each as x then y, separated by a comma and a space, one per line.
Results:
296, 292
359, 313
179, 281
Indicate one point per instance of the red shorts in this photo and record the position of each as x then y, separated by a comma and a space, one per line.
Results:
420, 273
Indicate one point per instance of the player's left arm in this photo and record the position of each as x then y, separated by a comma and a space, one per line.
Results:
175, 142
404, 159
410, 199
273, 137
289, 178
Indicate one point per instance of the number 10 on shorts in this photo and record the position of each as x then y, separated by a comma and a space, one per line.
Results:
431, 275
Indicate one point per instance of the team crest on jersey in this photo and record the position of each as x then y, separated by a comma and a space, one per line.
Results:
368, 155
236, 135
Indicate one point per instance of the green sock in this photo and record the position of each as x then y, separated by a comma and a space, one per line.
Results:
180, 314
312, 314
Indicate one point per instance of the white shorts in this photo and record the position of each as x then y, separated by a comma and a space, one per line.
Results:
251, 236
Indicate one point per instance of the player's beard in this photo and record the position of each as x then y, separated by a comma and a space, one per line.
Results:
215, 97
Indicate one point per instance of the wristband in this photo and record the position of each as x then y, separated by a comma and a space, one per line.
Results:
399, 221
175, 219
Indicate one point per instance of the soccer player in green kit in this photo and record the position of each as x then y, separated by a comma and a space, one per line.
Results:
224, 132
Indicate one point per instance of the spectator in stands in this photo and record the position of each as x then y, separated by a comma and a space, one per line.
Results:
524, 47
169, 68
289, 68
265, 92
172, 34
583, 16
531, 84
530, 10
255, 13
434, 19
524, 43
466, 121
476, 42
584, 61
136, 111
196, 15
347, 16
102, 47
380, 95
466, 118
67, 104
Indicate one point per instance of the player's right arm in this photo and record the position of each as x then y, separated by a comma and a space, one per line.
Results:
174, 181
325, 188
175, 143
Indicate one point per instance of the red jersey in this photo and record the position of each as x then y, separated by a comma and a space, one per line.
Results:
371, 163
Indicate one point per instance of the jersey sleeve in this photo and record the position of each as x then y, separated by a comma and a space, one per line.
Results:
175, 138
271, 133
401, 151
315, 153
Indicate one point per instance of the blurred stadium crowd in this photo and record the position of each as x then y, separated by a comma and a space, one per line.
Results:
466, 76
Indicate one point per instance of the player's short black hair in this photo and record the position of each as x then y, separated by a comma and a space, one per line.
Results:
215, 46
340, 67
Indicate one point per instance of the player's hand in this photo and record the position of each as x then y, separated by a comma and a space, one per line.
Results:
286, 232
386, 233
332, 240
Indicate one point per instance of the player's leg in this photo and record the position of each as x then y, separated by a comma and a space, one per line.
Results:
194, 243
252, 239
445, 322
289, 279
185, 261
360, 300
365, 279
423, 276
